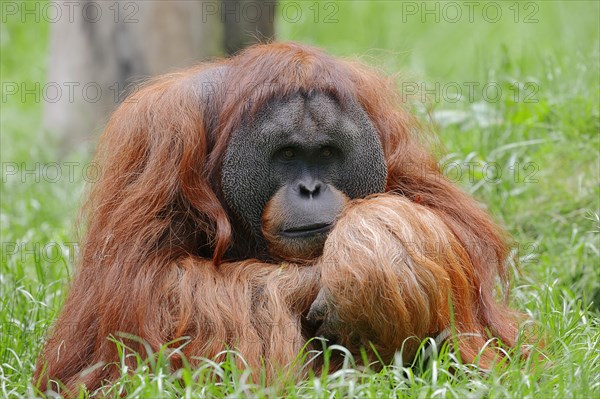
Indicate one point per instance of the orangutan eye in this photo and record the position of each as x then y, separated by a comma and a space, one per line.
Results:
288, 153
326, 152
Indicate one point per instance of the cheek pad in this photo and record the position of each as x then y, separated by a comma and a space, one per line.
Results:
245, 178
364, 171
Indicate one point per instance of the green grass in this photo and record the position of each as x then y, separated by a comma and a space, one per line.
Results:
547, 196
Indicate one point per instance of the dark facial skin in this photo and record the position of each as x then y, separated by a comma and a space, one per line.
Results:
308, 203
289, 173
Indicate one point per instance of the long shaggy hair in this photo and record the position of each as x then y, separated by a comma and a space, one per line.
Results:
396, 266
162, 259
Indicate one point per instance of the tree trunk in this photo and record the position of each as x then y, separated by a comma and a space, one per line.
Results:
99, 51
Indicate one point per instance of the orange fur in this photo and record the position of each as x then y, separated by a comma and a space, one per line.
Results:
394, 274
162, 259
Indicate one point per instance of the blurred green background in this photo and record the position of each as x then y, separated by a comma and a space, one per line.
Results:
545, 141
